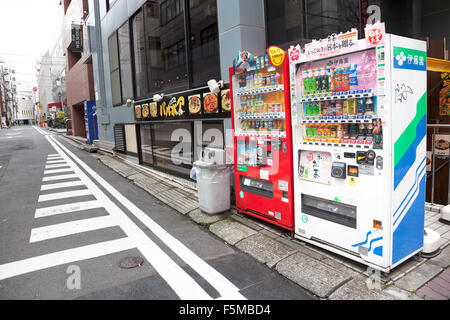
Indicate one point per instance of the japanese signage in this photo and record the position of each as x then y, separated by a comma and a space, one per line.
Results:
405, 58
315, 166
197, 104
375, 34
77, 38
335, 44
276, 55
444, 95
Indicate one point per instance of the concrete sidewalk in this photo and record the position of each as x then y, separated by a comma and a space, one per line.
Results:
324, 274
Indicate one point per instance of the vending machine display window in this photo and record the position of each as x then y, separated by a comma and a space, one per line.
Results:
263, 137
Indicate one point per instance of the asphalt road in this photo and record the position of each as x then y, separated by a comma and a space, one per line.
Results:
67, 221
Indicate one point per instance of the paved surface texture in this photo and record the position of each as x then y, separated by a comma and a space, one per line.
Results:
326, 275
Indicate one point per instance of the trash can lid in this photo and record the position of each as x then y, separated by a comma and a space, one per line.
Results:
208, 165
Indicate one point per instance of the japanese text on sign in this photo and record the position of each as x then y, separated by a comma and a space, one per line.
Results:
333, 45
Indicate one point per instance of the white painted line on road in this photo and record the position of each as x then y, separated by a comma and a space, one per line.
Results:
62, 195
55, 161
226, 289
53, 166
16, 268
57, 171
54, 155
72, 227
178, 279
41, 131
60, 177
67, 208
61, 185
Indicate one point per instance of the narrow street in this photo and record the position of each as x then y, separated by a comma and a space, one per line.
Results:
67, 221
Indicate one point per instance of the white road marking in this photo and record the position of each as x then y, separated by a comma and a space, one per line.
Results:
16, 268
216, 279
60, 177
57, 170
72, 227
53, 166
62, 195
61, 185
55, 161
67, 208
180, 282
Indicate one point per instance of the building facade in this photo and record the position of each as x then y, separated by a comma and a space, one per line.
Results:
79, 83
173, 47
25, 113
8, 101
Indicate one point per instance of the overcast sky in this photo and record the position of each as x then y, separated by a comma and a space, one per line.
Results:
28, 28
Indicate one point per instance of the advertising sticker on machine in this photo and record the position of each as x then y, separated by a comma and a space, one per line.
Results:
335, 44
315, 166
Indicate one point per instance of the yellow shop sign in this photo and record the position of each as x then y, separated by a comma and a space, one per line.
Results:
276, 55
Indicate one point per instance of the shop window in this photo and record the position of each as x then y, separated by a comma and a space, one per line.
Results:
126, 80
140, 63
172, 147
204, 42
146, 143
292, 22
212, 134
114, 69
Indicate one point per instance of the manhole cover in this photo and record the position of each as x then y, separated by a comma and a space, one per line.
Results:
131, 262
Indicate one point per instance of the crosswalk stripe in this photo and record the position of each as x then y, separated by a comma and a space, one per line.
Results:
54, 155
59, 165
57, 170
56, 161
72, 227
61, 185
62, 195
60, 177
45, 261
67, 208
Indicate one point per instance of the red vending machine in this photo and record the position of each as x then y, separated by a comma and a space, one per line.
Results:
261, 120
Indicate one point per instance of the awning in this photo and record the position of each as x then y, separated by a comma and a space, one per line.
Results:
55, 104
438, 65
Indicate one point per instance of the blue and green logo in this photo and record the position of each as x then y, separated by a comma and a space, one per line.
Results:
405, 58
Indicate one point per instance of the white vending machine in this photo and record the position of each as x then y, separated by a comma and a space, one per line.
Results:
359, 142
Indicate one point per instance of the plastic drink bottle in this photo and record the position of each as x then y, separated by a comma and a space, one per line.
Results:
312, 83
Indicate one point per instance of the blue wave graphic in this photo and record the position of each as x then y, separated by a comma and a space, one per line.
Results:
417, 187
372, 241
412, 187
409, 157
364, 242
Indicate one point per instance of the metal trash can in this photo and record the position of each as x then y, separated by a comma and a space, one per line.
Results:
213, 186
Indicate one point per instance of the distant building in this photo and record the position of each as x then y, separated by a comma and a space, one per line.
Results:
8, 91
51, 72
25, 109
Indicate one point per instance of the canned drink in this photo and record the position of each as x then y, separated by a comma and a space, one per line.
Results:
270, 124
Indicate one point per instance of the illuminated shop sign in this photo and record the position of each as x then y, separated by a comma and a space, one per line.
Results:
197, 104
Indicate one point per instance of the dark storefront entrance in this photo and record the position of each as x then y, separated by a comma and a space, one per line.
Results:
174, 131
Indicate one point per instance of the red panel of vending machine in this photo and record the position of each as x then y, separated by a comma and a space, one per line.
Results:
261, 120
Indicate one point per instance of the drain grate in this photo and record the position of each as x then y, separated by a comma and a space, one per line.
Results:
131, 262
